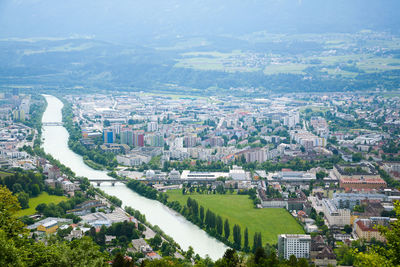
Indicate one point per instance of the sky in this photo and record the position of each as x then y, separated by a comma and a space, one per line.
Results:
152, 19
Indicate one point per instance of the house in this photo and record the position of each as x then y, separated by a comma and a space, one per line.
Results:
137, 244
85, 207
325, 258
152, 256
110, 238
75, 234
68, 186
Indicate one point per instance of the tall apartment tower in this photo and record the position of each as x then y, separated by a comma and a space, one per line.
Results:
297, 245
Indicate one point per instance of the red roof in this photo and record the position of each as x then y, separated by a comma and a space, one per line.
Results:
365, 228
364, 181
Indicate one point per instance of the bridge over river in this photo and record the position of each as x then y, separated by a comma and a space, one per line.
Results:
52, 124
112, 181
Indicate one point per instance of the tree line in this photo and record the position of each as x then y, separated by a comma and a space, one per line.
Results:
214, 225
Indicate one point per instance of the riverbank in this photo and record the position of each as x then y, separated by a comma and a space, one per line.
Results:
94, 158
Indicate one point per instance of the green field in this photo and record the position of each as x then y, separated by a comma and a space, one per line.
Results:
42, 198
238, 209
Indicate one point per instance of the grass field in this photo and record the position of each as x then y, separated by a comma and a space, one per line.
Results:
238, 209
42, 198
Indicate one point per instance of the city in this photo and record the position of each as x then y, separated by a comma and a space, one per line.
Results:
329, 161
201, 133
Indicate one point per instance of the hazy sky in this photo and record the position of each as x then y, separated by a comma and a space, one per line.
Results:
127, 19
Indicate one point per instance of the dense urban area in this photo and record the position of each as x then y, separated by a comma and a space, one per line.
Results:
296, 179
204, 133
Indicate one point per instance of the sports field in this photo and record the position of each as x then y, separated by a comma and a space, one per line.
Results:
238, 209
42, 198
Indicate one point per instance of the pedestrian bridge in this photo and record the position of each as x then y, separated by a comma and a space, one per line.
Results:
52, 124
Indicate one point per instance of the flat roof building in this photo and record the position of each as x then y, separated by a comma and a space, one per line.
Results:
297, 245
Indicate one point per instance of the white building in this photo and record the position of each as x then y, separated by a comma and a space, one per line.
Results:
294, 176
132, 159
188, 175
174, 175
297, 245
237, 173
335, 216
152, 126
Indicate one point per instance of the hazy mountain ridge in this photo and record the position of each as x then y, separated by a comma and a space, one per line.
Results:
138, 21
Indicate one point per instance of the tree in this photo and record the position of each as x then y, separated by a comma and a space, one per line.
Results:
292, 260
9, 205
35, 189
156, 241
230, 259
23, 199
259, 255
227, 229
219, 225
348, 229
321, 175
357, 157
41, 207
189, 253
383, 256
257, 241
237, 236
202, 214
246, 240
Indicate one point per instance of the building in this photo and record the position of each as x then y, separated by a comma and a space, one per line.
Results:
297, 245
156, 140
174, 175
68, 186
237, 173
290, 176
48, 227
335, 216
307, 139
326, 257
358, 176
253, 155
349, 200
19, 115
127, 137
292, 119
108, 136
114, 148
138, 138
367, 228
188, 175
360, 184
190, 141
85, 207
133, 159
393, 168
152, 126
355, 171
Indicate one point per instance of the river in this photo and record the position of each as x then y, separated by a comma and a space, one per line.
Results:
55, 142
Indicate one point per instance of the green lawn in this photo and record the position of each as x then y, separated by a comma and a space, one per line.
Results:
238, 209
42, 198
